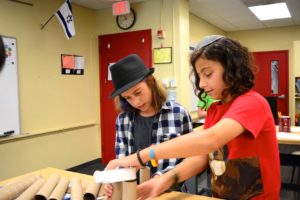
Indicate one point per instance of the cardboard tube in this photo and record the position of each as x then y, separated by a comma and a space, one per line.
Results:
117, 191
76, 189
84, 185
30, 192
48, 187
91, 191
144, 174
60, 190
15, 188
129, 190
101, 191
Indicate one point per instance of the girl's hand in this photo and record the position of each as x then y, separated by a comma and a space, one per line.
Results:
108, 189
154, 187
128, 161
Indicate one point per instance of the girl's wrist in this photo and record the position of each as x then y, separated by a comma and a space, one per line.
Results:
147, 155
143, 155
140, 160
152, 157
175, 177
172, 178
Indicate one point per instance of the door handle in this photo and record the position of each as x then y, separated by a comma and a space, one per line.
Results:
281, 96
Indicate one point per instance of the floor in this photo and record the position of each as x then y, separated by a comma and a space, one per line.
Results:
89, 168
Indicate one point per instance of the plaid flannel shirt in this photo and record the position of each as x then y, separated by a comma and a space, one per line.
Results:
170, 122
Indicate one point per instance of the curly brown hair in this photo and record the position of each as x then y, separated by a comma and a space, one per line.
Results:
236, 60
159, 96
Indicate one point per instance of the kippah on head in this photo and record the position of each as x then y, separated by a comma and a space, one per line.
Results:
207, 41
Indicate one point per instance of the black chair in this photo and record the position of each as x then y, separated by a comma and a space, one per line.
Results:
297, 154
292, 160
273, 105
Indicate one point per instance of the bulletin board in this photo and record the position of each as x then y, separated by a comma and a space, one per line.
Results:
72, 64
162, 55
9, 91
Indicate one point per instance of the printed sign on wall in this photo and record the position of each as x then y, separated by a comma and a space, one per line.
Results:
72, 64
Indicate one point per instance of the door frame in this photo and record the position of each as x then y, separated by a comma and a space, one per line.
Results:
284, 56
146, 56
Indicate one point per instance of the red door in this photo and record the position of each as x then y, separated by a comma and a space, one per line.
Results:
271, 80
112, 48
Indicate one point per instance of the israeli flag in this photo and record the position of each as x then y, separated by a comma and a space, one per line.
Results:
65, 17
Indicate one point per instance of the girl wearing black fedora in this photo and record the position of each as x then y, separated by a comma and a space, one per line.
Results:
147, 117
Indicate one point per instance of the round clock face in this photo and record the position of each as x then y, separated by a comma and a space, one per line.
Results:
126, 21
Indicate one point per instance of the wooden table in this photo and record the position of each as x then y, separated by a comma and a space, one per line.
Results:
47, 172
180, 195
289, 138
198, 122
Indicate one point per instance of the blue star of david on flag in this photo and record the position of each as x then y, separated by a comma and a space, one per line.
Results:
65, 17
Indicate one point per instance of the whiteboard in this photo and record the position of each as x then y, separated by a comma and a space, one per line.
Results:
9, 90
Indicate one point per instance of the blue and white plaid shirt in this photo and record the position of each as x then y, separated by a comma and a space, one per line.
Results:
170, 122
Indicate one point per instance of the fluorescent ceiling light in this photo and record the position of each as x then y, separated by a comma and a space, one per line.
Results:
271, 11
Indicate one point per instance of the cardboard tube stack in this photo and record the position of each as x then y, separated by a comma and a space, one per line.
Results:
123, 181
14, 189
38, 188
48, 187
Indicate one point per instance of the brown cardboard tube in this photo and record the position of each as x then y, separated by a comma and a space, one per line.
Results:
48, 187
76, 189
15, 188
144, 174
101, 191
83, 185
30, 192
60, 190
91, 191
117, 191
129, 190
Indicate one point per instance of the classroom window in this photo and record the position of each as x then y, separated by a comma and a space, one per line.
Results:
274, 76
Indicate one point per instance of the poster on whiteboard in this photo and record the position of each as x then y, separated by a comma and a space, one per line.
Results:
9, 90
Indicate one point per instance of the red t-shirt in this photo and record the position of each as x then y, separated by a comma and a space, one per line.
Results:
259, 140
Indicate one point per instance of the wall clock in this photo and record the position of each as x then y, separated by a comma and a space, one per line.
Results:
126, 21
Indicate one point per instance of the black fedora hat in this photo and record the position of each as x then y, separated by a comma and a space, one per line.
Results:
128, 72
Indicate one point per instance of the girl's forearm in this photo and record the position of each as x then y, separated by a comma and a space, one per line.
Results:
196, 143
192, 144
195, 165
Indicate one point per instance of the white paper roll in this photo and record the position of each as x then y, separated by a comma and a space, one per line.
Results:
115, 175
